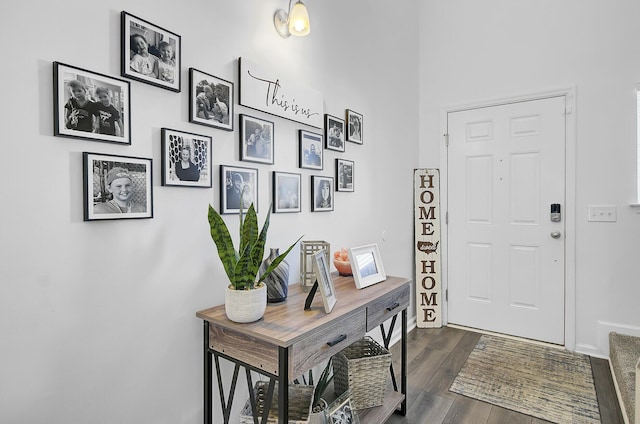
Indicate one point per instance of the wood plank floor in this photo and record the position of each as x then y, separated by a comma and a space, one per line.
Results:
435, 356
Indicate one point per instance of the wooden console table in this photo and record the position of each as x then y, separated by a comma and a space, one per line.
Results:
288, 341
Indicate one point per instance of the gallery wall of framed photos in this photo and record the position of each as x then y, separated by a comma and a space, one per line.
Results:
94, 106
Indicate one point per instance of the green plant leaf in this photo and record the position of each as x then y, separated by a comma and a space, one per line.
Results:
248, 229
224, 244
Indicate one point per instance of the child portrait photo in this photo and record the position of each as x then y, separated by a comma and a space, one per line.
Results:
256, 140
286, 192
149, 53
90, 105
238, 188
116, 187
310, 150
210, 100
186, 159
321, 193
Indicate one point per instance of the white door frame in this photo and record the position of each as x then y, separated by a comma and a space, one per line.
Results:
570, 200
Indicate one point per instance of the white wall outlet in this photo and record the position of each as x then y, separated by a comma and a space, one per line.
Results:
603, 213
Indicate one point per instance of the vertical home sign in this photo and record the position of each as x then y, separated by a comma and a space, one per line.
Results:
427, 248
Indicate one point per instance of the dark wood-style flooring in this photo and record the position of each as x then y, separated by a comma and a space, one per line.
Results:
434, 358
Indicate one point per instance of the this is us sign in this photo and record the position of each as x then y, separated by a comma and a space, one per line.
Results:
427, 248
268, 91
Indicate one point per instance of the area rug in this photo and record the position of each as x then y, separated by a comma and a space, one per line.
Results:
544, 382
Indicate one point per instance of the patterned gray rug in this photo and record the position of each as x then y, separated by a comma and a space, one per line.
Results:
544, 382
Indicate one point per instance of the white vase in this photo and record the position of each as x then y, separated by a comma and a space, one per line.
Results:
244, 306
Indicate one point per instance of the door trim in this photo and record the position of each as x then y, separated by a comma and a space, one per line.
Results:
569, 93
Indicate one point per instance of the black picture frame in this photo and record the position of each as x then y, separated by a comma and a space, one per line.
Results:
321, 200
94, 120
197, 148
116, 187
287, 192
334, 133
310, 149
355, 123
257, 141
238, 183
158, 62
345, 175
210, 100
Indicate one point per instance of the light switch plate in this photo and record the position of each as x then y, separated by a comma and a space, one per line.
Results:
603, 213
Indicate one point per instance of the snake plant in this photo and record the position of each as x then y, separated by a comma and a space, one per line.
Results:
242, 265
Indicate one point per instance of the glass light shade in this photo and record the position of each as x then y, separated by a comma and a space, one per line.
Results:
299, 20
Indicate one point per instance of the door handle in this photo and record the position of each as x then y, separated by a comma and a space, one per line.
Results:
555, 234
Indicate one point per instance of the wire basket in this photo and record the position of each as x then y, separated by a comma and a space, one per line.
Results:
300, 398
363, 368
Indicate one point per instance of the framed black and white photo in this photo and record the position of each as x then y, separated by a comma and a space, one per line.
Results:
150, 53
334, 133
325, 282
286, 192
90, 105
116, 187
210, 100
238, 186
256, 140
344, 175
321, 193
354, 127
341, 410
186, 159
366, 265
310, 149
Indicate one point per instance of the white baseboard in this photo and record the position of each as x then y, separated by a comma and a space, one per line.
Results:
603, 330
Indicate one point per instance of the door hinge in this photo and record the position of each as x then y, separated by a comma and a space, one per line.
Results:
446, 295
446, 139
446, 217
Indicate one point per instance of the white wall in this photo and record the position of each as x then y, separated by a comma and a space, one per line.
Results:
472, 51
98, 318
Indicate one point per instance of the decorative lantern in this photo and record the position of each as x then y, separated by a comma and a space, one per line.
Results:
307, 249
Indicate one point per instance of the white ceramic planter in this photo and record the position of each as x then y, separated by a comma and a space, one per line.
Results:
245, 306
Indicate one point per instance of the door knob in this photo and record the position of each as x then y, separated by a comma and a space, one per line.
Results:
555, 234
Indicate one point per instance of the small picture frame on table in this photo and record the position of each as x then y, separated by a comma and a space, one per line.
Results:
150, 54
334, 133
186, 159
256, 140
341, 410
286, 192
238, 186
321, 193
116, 187
310, 150
325, 282
344, 175
354, 127
90, 105
210, 100
366, 265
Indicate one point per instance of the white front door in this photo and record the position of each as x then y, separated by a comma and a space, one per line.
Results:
506, 167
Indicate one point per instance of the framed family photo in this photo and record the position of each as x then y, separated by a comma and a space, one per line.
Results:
186, 159
366, 265
354, 129
150, 53
310, 149
210, 100
116, 187
321, 193
286, 192
344, 175
341, 410
90, 105
256, 140
325, 282
238, 186
334, 133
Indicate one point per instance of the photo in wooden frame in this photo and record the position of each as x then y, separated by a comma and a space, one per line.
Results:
186, 159
90, 105
355, 123
116, 187
366, 265
210, 100
238, 186
256, 140
325, 281
150, 54
286, 192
